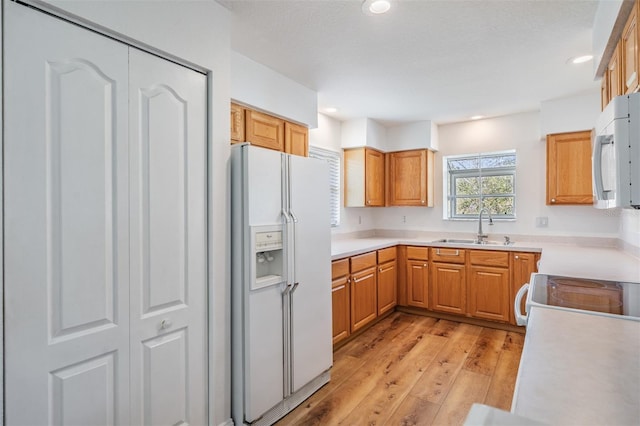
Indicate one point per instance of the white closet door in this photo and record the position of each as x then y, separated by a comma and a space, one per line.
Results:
66, 224
168, 242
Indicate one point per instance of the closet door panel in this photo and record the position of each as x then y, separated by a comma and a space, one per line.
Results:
168, 241
66, 223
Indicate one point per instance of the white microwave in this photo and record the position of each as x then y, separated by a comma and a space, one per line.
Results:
616, 154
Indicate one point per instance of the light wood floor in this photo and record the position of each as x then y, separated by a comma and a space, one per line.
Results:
414, 370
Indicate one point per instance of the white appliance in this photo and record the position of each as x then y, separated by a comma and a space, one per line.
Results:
616, 154
597, 297
281, 282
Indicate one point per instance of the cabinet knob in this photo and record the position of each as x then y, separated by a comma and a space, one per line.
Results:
422, 201
424, 265
553, 200
380, 269
516, 257
368, 201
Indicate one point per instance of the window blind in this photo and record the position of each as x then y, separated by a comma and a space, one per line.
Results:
333, 158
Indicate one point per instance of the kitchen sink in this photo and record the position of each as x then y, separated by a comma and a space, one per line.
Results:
474, 242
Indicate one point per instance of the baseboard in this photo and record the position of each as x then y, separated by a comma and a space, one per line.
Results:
459, 318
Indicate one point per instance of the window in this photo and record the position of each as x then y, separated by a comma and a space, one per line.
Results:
481, 181
333, 158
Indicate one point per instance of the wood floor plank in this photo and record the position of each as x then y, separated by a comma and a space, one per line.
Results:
503, 381
486, 351
337, 405
469, 387
413, 412
444, 328
377, 336
414, 370
435, 383
396, 381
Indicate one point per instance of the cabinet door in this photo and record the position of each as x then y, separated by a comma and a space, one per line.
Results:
363, 298
387, 289
296, 139
569, 168
410, 179
448, 288
522, 266
237, 123
340, 306
489, 293
629, 50
417, 283
604, 92
374, 177
264, 130
614, 73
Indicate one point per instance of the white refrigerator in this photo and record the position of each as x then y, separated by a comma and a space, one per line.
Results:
281, 282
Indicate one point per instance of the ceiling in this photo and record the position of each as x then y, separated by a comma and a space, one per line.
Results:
440, 60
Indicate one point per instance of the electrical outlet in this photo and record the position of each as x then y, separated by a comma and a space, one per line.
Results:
404, 219
542, 222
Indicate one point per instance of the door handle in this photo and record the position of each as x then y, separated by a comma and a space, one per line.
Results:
165, 323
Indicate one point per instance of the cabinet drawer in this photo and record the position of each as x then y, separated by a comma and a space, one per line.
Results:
363, 261
418, 253
339, 268
448, 255
386, 255
489, 258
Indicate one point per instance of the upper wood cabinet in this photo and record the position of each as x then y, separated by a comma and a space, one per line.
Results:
569, 168
296, 139
364, 177
237, 123
267, 131
410, 178
629, 52
264, 130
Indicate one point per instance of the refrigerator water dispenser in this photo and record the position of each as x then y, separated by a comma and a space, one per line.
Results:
268, 256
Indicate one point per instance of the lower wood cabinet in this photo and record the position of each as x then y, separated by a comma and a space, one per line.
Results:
364, 306
341, 310
448, 288
522, 266
489, 293
387, 287
417, 283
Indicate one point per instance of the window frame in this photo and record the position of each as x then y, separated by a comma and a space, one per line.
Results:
450, 176
334, 159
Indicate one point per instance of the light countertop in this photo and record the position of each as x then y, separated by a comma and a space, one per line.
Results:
605, 263
579, 369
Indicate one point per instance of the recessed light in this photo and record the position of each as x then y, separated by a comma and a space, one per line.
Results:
331, 109
376, 7
477, 117
581, 59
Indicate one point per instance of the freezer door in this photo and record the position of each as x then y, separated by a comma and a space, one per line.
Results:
264, 177
311, 347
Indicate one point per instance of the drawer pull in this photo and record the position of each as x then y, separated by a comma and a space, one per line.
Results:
457, 253
424, 266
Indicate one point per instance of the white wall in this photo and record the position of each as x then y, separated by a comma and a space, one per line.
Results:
364, 132
570, 114
630, 227
255, 85
199, 32
329, 135
415, 135
522, 133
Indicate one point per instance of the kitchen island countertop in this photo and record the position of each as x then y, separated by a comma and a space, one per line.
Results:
579, 369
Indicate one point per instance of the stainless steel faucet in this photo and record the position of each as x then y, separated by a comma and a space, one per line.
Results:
482, 236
